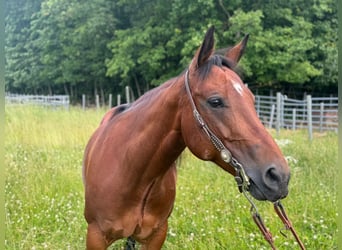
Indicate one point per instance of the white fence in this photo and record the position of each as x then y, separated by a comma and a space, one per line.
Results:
313, 113
52, 101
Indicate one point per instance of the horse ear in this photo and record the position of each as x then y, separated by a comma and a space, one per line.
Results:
205, 51
234, 54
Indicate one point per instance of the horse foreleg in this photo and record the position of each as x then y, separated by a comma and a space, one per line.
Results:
95, 238
156, 240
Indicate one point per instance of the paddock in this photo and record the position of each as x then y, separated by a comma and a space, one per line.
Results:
44, 192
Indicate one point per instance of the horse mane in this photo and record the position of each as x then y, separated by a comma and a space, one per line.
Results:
217, 60
120, 109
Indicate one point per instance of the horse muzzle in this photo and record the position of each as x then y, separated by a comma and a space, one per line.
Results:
271, 185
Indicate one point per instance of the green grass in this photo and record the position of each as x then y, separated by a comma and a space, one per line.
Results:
44, 190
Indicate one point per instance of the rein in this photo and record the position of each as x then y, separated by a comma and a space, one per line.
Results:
241, 177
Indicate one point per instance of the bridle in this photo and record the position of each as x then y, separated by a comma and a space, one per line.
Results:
241, 178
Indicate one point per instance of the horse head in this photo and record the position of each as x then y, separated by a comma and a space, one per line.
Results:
226, 106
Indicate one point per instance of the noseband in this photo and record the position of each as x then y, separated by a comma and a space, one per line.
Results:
241, 177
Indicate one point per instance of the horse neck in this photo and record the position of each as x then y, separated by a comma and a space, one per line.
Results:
161, 119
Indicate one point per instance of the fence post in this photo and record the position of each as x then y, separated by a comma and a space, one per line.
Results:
309, 116
271, 116
118, 99
282, 111
278, 112
66, 101
321, 113
83, 101
97, 102
258, 105
110, 101
293, 119
127, 94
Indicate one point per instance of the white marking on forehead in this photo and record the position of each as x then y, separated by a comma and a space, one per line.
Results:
237, 86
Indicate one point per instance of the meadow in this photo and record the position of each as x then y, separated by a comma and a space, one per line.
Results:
44, 190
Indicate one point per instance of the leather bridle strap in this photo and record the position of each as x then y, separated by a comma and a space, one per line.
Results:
241, 177
278, 207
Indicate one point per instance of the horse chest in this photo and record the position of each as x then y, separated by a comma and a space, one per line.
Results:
157, 204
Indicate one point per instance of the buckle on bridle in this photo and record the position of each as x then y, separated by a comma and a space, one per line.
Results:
240, 183
241, 178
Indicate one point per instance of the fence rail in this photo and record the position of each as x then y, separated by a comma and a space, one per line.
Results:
313, 113
53, 101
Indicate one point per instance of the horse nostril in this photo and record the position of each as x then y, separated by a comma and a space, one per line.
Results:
274, 183
272, 177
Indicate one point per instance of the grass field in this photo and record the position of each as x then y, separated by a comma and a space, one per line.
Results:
44, 191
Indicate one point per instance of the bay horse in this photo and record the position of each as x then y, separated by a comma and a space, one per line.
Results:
129, 169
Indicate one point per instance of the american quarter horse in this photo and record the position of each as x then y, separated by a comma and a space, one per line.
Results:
129, 169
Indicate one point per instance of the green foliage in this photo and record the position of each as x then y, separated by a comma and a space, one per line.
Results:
44, 191
66, 46
17, 42
277, 47
77, 47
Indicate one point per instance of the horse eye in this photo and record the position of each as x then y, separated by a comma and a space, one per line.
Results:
216, 102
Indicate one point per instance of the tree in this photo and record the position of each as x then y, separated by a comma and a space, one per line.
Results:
62, 46
324, 55
100, 46
73, 39
298, 41
17, 49
158, 39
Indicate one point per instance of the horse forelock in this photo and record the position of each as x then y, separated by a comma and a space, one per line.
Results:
217, 60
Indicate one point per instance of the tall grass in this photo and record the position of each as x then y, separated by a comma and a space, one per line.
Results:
44, 191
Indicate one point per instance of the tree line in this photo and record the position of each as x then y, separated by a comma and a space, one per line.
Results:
100, 46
